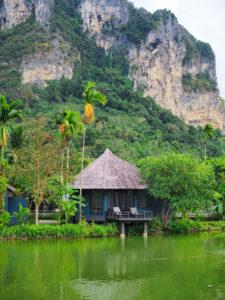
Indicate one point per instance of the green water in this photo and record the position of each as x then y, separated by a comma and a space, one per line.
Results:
174, 267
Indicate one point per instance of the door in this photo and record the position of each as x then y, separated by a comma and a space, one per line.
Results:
124, 199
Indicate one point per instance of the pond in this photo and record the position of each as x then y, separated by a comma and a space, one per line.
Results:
171, 267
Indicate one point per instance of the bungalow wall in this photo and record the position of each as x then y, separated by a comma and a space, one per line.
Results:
12, 203
99, 201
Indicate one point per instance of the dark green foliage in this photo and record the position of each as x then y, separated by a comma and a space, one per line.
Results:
131, 125
195, 48
156, 226
140, 23
23, 39
199, 83
5, 218
22, 215
187, 184
187, 226
9, 78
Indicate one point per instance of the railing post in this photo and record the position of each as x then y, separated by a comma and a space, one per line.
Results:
145, 232
122, 230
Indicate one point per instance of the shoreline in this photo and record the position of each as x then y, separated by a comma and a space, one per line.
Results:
85, 230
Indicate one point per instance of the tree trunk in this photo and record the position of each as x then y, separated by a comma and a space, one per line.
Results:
205, 151
67, 164
62, 160
2, 152
82, 168
2, 201
36, 213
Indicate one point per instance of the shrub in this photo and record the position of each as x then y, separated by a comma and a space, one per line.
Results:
5, 218
198, 83
185, 225
58, 231
134, 230
156, 225
23, 215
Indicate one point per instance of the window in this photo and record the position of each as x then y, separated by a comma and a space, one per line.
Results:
96, 203
143, 200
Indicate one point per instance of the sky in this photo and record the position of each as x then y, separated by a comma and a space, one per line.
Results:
205, 19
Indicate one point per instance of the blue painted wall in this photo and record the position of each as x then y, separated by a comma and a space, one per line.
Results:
155, 206
12, 203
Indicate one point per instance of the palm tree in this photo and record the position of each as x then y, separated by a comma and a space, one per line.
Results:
91, 98
209, 134
70, 124
8, 112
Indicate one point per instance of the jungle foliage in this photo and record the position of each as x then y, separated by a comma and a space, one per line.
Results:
131, 125
199, 83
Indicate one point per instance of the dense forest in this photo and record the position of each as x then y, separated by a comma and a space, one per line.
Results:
42, 148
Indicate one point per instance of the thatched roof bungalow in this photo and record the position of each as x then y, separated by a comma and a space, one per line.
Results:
111, 182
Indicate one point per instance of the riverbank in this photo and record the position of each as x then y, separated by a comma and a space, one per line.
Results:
85, 230
82, 230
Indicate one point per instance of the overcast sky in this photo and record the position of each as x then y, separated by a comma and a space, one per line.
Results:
205, 19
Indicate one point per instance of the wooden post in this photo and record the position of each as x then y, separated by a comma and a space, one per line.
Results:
145, 232
122, 230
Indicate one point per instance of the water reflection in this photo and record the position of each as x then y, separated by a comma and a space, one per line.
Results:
174, 267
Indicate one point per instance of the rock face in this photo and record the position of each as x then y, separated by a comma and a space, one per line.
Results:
157, 65
96, 13
14, 12
54, 64
45, 64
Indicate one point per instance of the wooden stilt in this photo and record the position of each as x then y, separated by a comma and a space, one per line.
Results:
122, 230
145, 232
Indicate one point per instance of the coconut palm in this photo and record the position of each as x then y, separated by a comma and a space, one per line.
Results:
91, 97
70, 124
8, 112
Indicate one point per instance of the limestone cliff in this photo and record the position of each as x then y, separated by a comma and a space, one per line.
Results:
159, 63
164, 60
53, 64
14, 12
49, 58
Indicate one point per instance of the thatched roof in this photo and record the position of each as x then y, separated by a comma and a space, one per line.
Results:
109, 172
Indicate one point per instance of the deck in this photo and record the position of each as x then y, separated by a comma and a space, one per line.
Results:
129, 219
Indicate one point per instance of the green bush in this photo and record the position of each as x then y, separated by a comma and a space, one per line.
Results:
5, 218
188, 225
198, 83
134, 229
156, 226
195, 48
57, 231
22, 215
185, 225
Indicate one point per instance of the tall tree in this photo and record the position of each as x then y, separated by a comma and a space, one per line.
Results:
209, 134
91, 97
3, 183
187, 184
8, 112
70, 125
37, 161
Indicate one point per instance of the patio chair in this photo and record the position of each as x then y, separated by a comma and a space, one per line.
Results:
134, 213
117, 212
